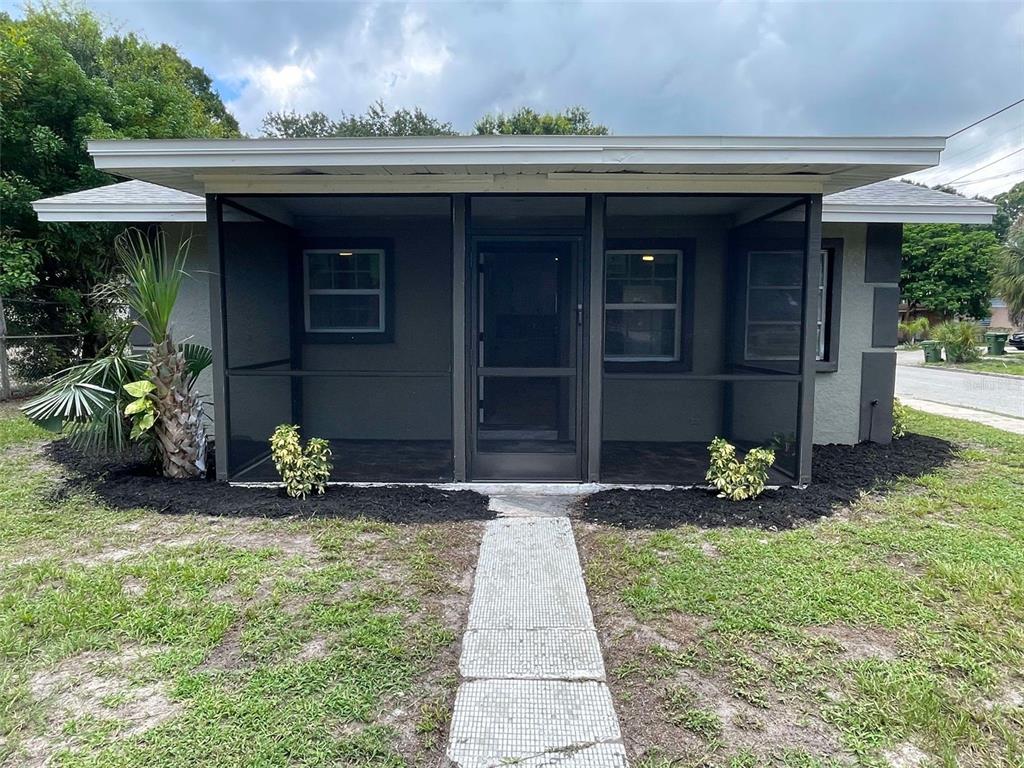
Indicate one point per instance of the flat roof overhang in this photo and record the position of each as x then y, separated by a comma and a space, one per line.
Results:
519, 164
135, 201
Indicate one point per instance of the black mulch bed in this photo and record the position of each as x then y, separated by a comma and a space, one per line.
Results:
132, 483
841, 473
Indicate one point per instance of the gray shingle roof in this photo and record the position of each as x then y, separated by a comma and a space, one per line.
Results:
126, 201
899, 193
126, 192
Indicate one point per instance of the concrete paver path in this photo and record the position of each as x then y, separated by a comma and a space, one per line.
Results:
533, 690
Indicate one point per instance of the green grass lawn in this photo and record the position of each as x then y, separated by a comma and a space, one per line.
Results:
1011, 364
128, 638
890, 634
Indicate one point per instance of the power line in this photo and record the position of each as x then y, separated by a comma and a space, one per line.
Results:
986, 117
970, 150
987, 165
993, 178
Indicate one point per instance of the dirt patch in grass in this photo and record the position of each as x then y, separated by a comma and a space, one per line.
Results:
228, 655
841, 474
95, 686
680, 703
858, 643
905, 756
689, 714
131, 483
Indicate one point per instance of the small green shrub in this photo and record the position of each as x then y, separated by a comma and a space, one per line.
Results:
899, 419
913, 331
302, 471
960, 340
736, 480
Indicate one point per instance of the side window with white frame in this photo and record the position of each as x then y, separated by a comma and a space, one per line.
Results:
773, 311
643, 305
345, 290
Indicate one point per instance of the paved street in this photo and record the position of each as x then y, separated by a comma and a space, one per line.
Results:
997, 394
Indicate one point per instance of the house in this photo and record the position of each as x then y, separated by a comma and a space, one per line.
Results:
1000, 317
528, 308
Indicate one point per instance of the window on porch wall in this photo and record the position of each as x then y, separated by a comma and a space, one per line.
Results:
374, 380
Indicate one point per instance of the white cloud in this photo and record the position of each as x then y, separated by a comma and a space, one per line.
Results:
282, 84
377, 56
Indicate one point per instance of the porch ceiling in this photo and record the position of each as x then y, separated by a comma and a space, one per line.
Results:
519, 163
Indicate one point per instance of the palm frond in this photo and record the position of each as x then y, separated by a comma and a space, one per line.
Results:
1009, 275
154, 278
87, 400
198, 358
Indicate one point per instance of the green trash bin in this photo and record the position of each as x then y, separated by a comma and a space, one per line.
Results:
996, 342
932, 351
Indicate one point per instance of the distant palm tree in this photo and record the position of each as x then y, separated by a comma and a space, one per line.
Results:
1009, 277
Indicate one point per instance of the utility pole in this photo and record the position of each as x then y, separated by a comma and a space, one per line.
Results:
5, 378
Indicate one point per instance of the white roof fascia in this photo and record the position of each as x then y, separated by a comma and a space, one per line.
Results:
908, 214
175, 162
115, 212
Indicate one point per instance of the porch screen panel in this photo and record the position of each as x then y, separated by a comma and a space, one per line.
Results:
257, 302
527, 213
257, 404
303, 349
657, 430
383, 397
761, 413
676, 371
764, 332
256, 321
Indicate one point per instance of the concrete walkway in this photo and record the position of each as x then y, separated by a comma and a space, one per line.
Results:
533, 690
1007, 423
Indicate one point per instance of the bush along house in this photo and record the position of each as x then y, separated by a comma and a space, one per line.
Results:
535, 308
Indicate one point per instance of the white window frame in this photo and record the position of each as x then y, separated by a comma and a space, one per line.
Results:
677, 307
380, 290
821, 341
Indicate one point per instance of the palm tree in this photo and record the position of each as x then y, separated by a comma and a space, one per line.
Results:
88, 401
154, 278
1009, 277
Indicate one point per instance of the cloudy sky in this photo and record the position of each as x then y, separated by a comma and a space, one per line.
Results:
814, 68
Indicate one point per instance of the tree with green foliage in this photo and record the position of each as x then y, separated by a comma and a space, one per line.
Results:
94, 402
573, 121
376, 121
64, 79
1009, 208
947, 268
1009, 278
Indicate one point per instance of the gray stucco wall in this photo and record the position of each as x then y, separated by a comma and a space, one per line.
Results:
837, 394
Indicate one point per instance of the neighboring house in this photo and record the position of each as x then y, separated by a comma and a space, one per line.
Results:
1000, 317
573, 308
